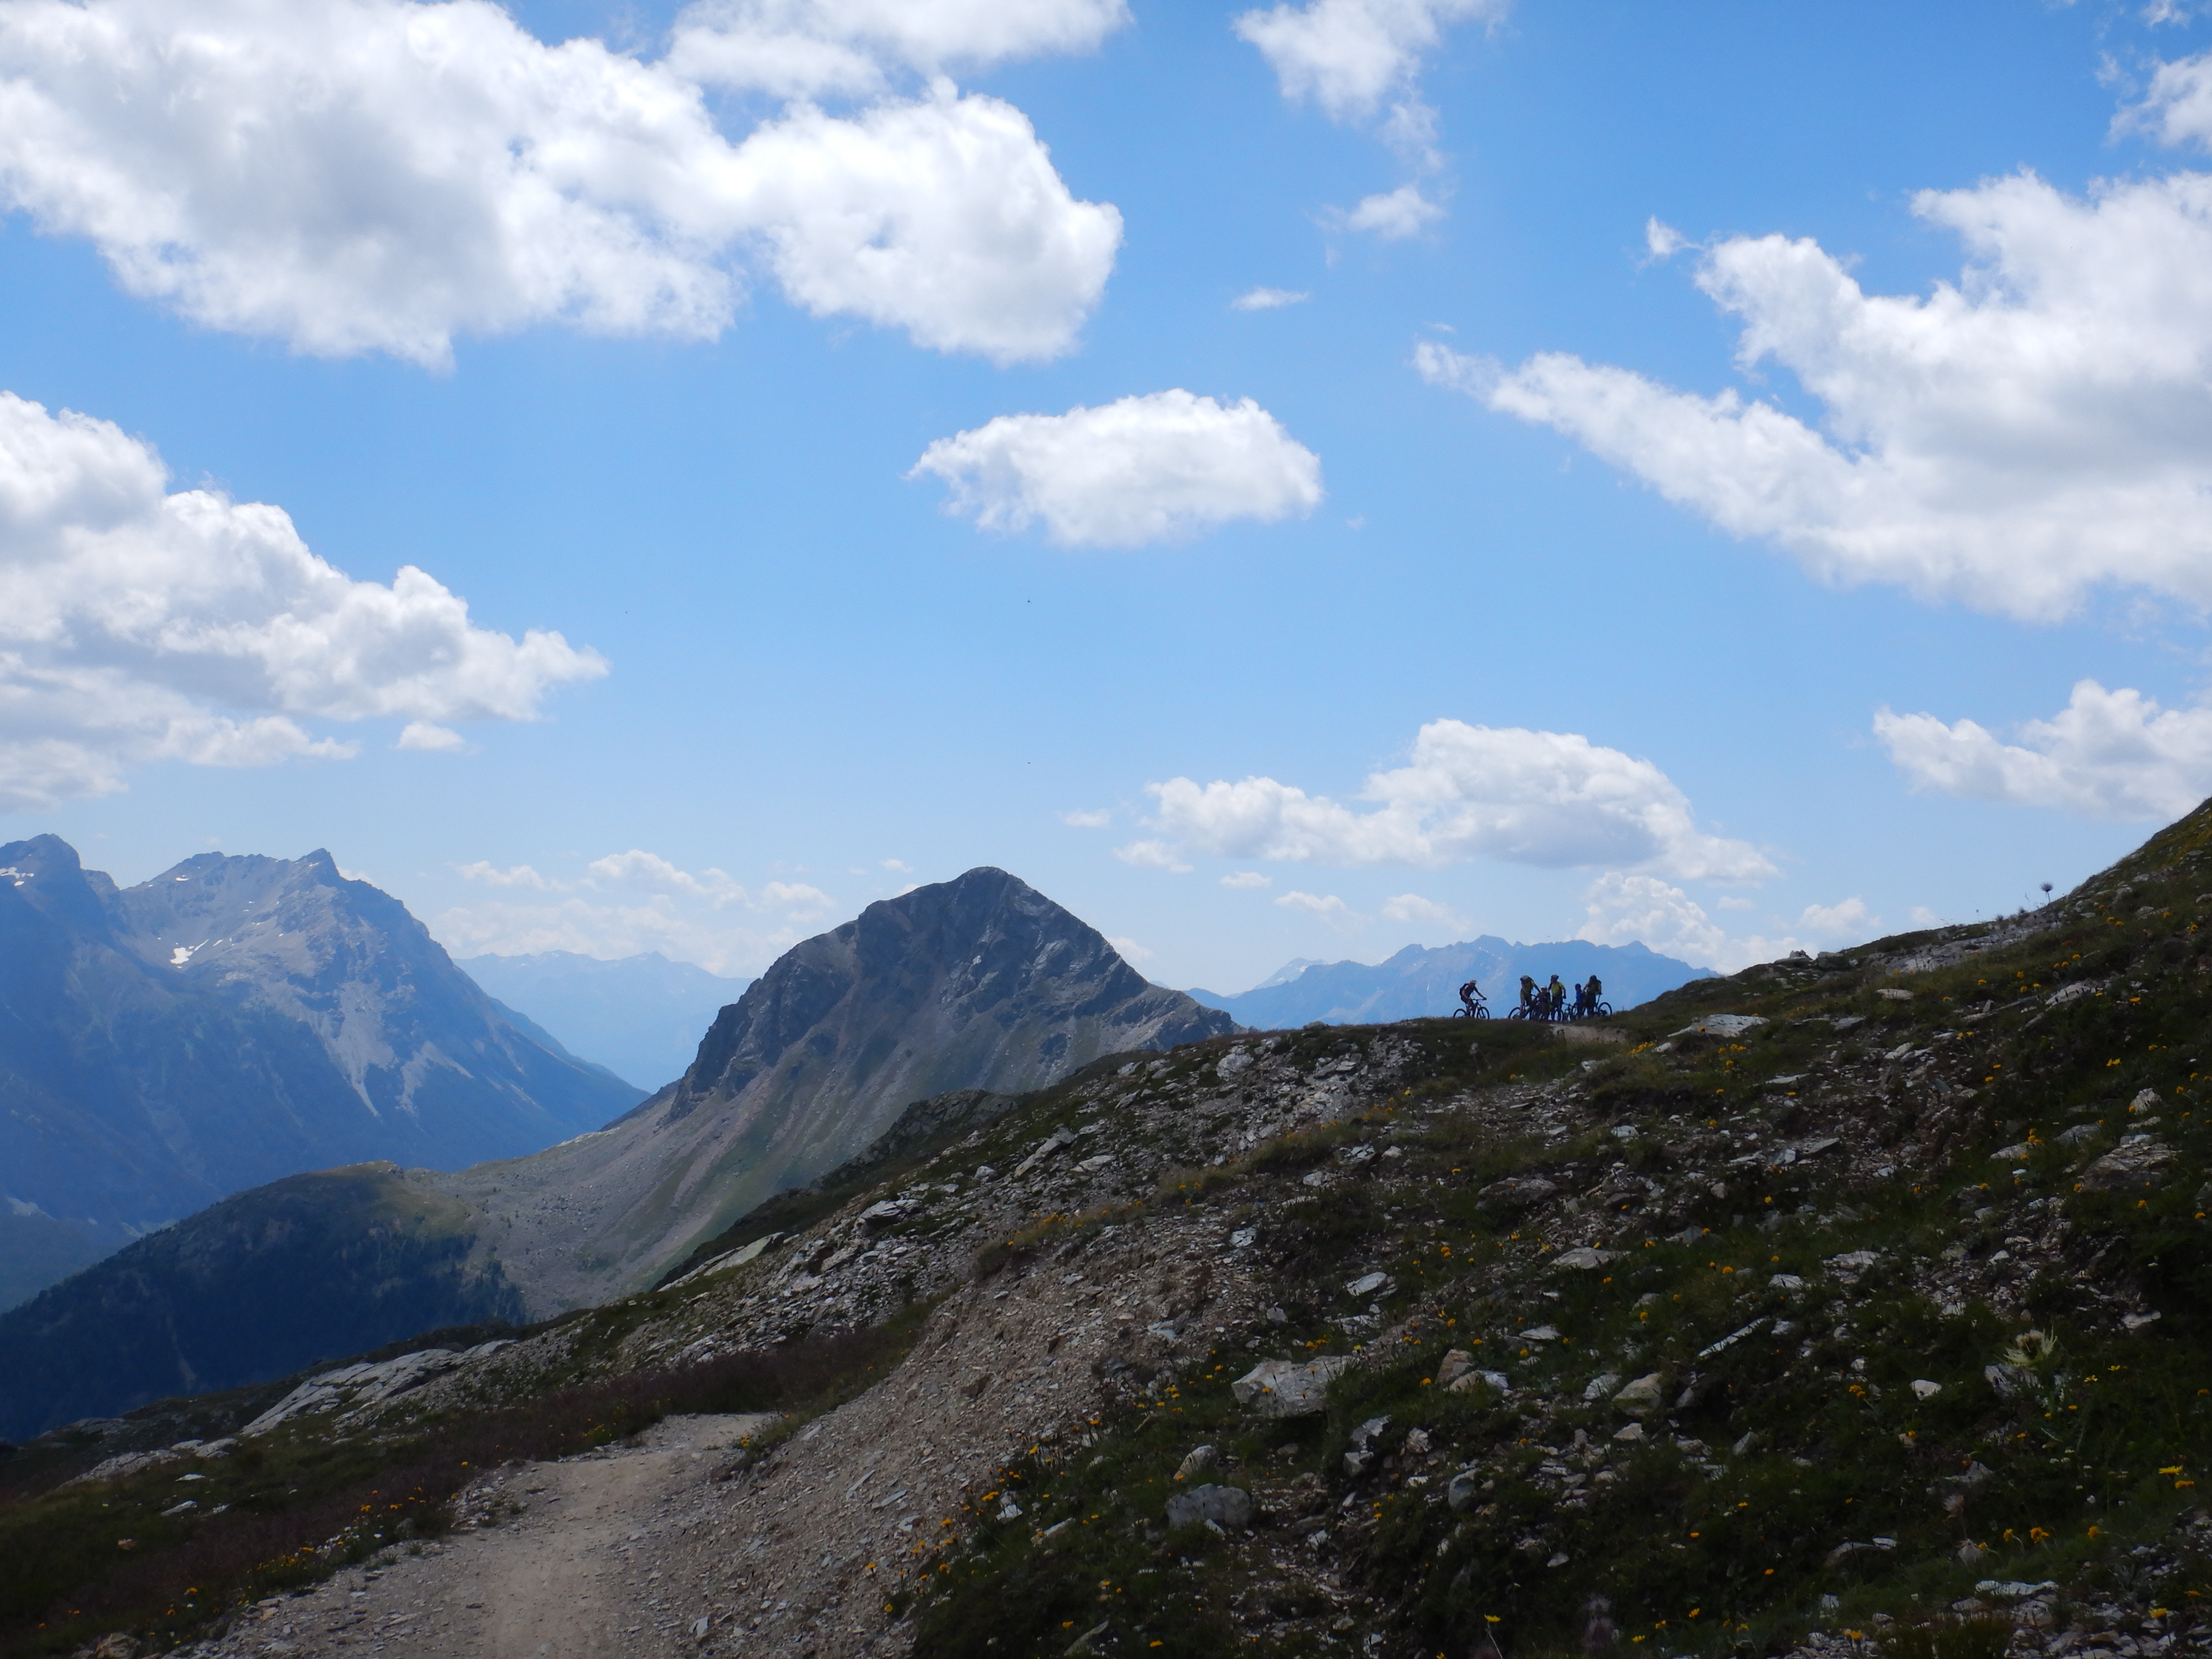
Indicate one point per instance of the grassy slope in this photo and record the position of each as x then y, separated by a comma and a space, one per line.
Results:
2092, 1462
311, 1268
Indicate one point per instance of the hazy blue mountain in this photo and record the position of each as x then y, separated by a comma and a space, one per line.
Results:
232, 1021
640, 1016
1417, 981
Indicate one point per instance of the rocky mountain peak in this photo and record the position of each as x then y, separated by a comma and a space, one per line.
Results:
984, 952
979, 982
44, 873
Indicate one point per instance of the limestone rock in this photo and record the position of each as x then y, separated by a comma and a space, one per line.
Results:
1284, 1387
1514, 1195
1582, 1260
1202, 1462
1640, 1398
2137, 1164
1228, 1507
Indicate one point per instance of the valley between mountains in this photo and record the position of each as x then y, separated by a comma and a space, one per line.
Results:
1849, 1306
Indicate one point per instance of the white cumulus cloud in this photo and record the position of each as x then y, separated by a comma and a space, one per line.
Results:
485, 873
430, 738
351, 176
1153, 855
1626, 908
1144, 469
628, 902
136, 625
1402, 213
1094, 817
2178, 108
2106, 755
594, 927
1268, 299
1130, 951
1551, 798
1413, 908
2039, 427
1350, 56
1850, 919
805, 48
649, 870
1246, 880
1662, 241
1329, 908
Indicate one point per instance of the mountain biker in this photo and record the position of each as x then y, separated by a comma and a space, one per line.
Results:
1594, 992
1556, 994
1527, 993
1469, 995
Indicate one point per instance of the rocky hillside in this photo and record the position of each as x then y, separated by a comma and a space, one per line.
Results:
230, 1022
1850, 1306
1418, 983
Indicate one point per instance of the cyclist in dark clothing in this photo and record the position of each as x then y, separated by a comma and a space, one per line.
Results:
1527, 993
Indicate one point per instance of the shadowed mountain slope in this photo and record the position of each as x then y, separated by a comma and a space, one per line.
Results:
230, 1022
244, 1292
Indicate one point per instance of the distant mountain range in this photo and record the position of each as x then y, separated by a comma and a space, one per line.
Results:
230, 1022
1416, 981
640, 1016
981, 982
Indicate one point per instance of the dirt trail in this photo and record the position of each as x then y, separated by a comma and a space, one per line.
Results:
639, 1552
596, 1562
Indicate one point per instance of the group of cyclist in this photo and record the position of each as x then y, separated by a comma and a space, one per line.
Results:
1541, 1002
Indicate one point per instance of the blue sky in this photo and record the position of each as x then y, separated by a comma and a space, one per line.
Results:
866, 404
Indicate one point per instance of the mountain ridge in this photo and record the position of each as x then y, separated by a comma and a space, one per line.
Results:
232, 1021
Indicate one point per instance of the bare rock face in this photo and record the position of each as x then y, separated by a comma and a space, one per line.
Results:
1503, 1199
1640, 1398
2138, 1164
1227, 1507
981, 982
1282, 1388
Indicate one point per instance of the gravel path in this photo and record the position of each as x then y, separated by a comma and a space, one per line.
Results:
642, 1552
597, 1561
